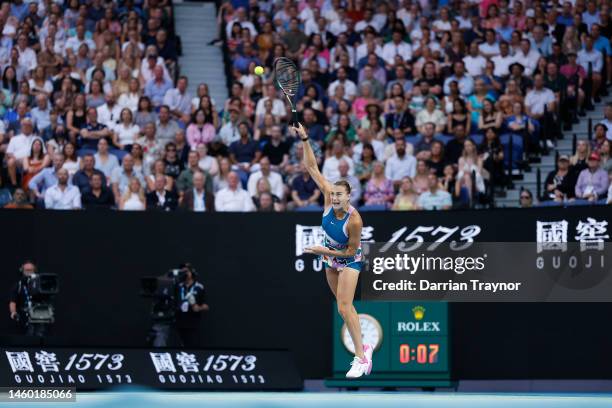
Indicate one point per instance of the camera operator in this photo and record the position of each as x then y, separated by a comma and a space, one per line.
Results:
191, 304
21, 299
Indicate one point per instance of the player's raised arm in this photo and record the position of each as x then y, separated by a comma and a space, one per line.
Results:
310, 163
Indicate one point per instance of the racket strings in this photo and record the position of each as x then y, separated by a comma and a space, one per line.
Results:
287, 76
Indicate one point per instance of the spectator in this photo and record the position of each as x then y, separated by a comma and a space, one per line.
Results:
200, 132
526, 199
277, 188
406, 200
161, 199
589, 56
184, 181
434, 198
420, 181
304, 191
110, 113
401, 164
459, 116
82, 178
233, 197
330, 166
430, 114
244, 153
592, 183
599, 137
62, 196
179, 100
104, 161
46, 178
144, 114
343, 170
604, 153
133, 199
558, 183
157, 168
121, 176
91, 133
19, 201
262, 189
35, 162
97, 196
379, 189
166, 127
197, 199
157, 86
18, 149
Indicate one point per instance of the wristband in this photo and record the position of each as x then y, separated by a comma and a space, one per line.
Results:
304, 139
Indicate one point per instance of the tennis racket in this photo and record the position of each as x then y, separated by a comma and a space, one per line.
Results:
287, 78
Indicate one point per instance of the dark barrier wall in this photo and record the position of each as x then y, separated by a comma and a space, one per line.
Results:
258, 299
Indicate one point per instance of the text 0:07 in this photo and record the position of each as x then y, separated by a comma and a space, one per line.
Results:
422, 354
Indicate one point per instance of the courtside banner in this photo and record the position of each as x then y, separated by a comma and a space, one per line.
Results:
169, 369
488, 271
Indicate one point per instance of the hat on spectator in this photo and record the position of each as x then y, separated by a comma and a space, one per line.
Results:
594, 156
563, 157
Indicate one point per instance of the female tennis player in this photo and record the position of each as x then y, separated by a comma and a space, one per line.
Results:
342, 252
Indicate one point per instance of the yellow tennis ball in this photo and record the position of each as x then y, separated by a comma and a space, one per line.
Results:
259, 70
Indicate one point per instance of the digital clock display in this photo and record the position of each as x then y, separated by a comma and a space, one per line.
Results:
419, 353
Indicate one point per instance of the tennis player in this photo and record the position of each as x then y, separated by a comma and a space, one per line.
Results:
341, 252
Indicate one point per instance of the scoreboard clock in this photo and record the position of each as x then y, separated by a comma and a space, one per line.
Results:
411, 345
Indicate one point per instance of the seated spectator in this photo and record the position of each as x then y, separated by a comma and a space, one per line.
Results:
492, 156
35, 162
161, 199
459, 116
198, 199
365, 163
244, 153
330, 166
490, 118
276, 149
174, 166
526, 199
109, 113
76, 119
166, 127
436, 160
91, 133
179, 100
476, 100
379, 189
41, 116
133, 198
469, 174
406, 199
157, 168
266, 203
277, 188
131, 98
604, 153
400, 118
401, 164
125, 133
420, 181
19, 201
233, 197
434, 198
431, 114
97, 196
592, 183
599, 137
521, 124
156, 87
448, 181
82, 178
18, 149
72, 162
263, 188
207, 163
454, 148
558, 183
120, 179
62, 196
423, 146
46, 178
145, 113
304, 190
199, 132
220, 180
184, 181
105, 162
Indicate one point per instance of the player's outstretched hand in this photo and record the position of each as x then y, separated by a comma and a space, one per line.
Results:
299, 130
317, 250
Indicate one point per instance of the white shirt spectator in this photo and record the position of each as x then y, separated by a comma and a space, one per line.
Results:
278, 107
19, 146
147, 73
529, 61
177, 101
350, 89
489, 49
336, 27
275, 180
502, 65
126, 135
109, 116
362, 51
129, 100
27, 58
390, 50
330, 167
237, 200
606, 122
74, 43
229, 133
594, 57
536, 100
398, 168
244, 24
475, 66
68, 199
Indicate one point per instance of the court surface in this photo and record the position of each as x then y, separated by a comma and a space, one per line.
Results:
151, 399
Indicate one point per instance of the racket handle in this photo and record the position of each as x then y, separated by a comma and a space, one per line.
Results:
295, 118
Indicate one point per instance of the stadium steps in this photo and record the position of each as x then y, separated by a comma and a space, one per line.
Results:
564, 146
196, 23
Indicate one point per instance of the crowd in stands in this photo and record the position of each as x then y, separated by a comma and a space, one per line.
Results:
418, 105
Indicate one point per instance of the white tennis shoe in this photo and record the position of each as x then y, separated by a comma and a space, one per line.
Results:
359, 367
